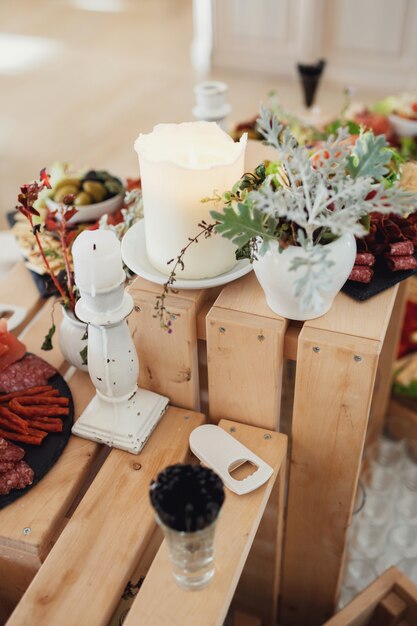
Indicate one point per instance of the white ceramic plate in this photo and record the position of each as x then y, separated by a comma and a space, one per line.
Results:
135, 257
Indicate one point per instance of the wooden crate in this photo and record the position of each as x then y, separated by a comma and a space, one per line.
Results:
91, 515
87, 570
230, 349
389, 601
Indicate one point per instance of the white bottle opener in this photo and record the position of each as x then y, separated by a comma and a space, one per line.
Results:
223, 454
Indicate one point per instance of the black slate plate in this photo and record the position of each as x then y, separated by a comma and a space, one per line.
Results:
383, 279
42, 458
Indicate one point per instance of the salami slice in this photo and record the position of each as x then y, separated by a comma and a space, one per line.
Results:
398, 263
400, 248
5, 466
365, 258
18, 477
10, 452
361, 274
31, 371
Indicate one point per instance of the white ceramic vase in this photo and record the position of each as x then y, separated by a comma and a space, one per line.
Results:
71, 340
277, 281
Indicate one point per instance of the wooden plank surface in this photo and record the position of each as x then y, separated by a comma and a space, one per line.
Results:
161, 602
383, 382
367, 319
168, 362
256, 582
84, 575
245, 354
331, 405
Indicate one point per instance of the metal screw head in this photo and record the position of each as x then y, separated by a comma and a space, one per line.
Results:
267, 436
316, 349
186, 417
357, 358
173, 317
232, 429
27, 530
261, 337
222, 329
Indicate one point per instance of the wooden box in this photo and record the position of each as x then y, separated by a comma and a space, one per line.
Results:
389, 601
231, 356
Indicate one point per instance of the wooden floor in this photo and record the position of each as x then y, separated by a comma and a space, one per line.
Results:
79, 85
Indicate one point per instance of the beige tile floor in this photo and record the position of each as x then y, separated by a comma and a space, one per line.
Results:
105, 76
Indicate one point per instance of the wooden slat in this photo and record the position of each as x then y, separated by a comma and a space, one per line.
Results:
367, 319
407, 590
168, 362
246, 295
390, 611
331, 406
245, 353
265, 557
359, 611
243, 619
162, 603
383, 383
84, 575
18, 288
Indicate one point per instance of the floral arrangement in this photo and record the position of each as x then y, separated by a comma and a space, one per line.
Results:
50, 237
307, 197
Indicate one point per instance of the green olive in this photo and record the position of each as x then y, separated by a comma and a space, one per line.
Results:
64, 182
96, 190
65, 191
83, 198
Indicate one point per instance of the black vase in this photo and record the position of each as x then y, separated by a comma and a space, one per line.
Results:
310, 77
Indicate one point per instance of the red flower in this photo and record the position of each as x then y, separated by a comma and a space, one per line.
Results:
44, 176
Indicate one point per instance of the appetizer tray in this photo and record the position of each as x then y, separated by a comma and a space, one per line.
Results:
383, 278
43, 457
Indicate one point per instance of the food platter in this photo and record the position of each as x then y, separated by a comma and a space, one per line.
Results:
382, 279
42, 458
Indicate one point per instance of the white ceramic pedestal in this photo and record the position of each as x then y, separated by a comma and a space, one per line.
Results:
126, 425
120, 414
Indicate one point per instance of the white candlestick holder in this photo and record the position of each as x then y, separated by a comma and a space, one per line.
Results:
120, 415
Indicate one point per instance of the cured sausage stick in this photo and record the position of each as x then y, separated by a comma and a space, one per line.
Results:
32, 400
5, 423
12, 418
21, 437
37, 411
32, 391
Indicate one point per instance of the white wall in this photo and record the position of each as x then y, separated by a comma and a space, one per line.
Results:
365, 42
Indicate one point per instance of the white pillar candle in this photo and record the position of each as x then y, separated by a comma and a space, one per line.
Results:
180, 164
97, 261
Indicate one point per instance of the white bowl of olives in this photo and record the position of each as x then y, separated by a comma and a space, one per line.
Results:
95, 193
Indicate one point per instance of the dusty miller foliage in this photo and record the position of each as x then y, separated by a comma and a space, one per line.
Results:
316, 195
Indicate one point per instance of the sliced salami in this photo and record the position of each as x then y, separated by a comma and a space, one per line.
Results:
31, 371
397, 263
400, 248
5, 466
361, 274
18, 477
10, 452
365, 258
